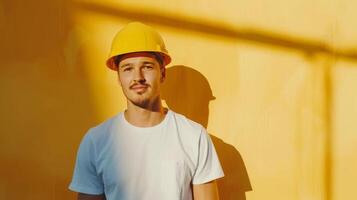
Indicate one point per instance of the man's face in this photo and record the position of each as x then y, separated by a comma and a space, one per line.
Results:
140, 77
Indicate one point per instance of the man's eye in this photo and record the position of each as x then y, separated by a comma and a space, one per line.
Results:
148, 67
127, 69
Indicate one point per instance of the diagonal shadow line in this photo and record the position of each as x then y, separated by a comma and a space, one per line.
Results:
218, 29
308, 47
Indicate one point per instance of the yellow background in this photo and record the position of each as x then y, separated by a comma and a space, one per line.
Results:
274, 82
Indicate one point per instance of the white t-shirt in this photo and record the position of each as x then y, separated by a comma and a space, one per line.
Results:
133, 163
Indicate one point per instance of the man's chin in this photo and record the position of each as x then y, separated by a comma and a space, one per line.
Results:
141, 102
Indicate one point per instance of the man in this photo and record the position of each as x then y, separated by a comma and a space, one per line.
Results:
147, 152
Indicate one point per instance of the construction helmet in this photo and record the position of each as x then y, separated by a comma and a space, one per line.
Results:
137, 37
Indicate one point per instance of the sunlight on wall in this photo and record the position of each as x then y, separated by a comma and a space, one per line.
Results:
273, 82
344, 129
269, 101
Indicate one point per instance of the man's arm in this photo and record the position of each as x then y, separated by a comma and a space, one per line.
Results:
82, 196
206, 191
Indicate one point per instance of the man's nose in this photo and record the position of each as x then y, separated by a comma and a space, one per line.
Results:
139, 76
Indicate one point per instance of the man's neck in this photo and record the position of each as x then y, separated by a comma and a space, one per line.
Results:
142, 117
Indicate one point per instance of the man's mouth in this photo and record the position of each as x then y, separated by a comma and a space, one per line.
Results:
139, 88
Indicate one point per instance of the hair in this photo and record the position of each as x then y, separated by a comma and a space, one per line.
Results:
158, 57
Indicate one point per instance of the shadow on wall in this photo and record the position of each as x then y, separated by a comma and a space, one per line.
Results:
256, 36
188, 92
303, 46
46, 99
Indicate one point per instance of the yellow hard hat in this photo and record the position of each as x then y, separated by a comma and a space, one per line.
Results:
137, 37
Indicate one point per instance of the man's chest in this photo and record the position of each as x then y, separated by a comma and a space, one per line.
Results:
151, 165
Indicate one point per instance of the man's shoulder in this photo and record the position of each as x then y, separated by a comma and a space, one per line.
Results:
104, 127
187, 124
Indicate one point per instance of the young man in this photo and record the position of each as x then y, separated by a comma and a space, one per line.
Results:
147, 152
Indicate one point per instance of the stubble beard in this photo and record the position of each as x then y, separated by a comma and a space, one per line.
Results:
142, 101
149, 104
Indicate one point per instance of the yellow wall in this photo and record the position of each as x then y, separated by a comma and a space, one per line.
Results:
274, 82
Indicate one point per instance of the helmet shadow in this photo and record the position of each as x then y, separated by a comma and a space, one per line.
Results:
188, 92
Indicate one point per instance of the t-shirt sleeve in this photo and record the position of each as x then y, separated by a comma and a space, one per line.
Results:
85, 177
208, 167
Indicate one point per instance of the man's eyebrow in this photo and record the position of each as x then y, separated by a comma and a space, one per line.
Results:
148, 62
127, 64
145, 62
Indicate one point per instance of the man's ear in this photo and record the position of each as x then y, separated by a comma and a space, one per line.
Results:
119, 81
163, 74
